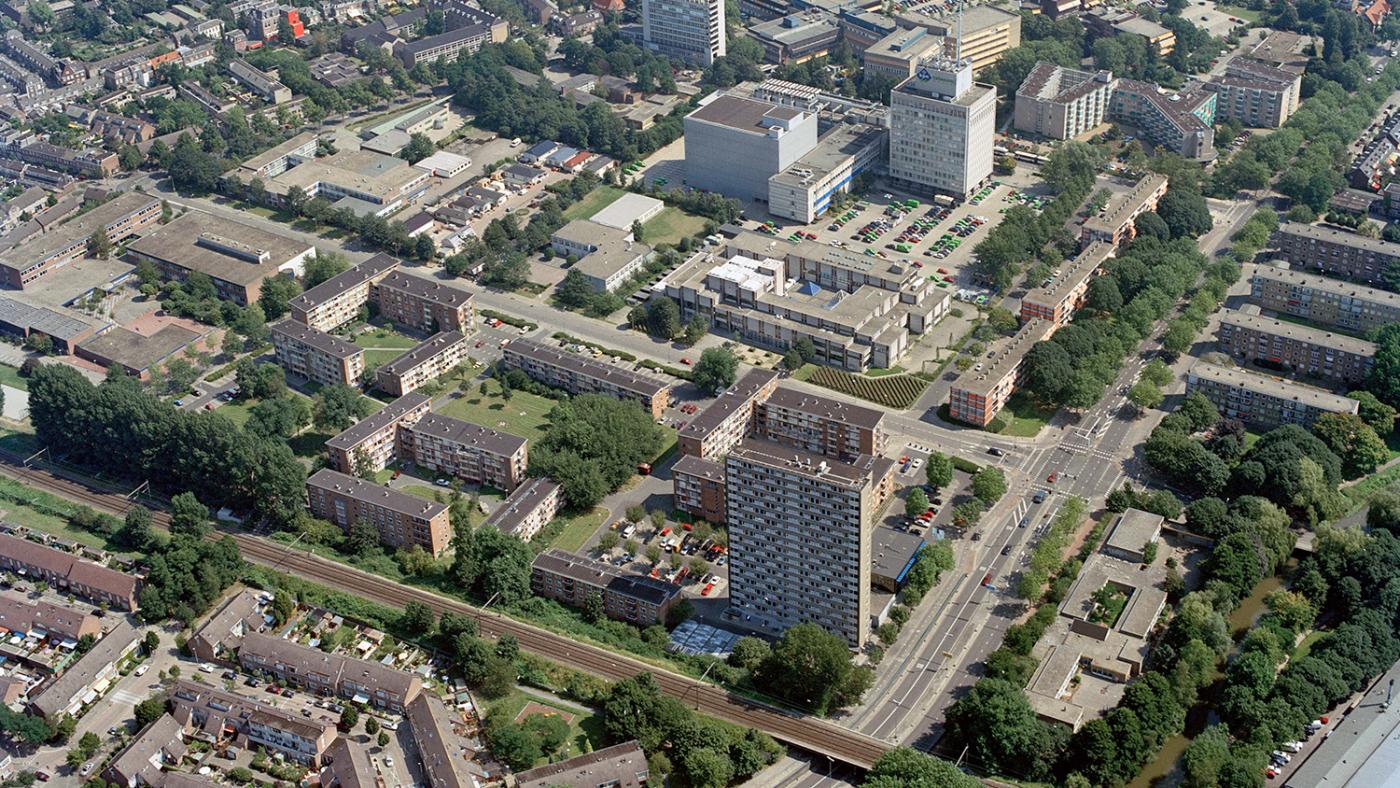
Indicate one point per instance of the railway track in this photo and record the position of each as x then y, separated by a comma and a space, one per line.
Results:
799, 731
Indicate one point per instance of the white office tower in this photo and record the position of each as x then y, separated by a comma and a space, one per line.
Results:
941, 129
691, 30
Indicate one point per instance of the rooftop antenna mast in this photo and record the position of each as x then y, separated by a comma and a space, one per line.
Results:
957, 44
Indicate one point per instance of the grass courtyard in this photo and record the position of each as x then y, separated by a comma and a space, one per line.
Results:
593, 202
1024, 417
670, 226
9, 376
586, 731
525, 415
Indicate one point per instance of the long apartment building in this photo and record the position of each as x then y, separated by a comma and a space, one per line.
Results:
338, 300
423, 304
1057, 301
1062, 103
329, 674
579, 374
374, 440
698, 487
715, 430
820, 425
401, 519
24, 262
1300, 349
467, 451
1256, 93
443, 739
64, 624
528, 509
317, 356
1116, 223
1182, 122
423, 363
1309, 247
626, 596
223, 716
68, 573
1323, 300
1263, 400
689, 30
800, 530
979, 394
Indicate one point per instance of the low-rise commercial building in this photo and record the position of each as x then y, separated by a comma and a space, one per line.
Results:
1109, 21
1131, 533
338, 300
986, 31
237, 257
898, 55
402, 519
607, 256
317, 356
373, 442
821, 425
571, 580
121, 217
329, 674
1301, 349
1182, 122
1309, 247
716, 429
1058, 301
532, 506
1324, 300
979, 394
1062, 103
68, 573
698, 487
424, 363
619, 766
362, 181
219, 716
468, 451
138, 355
64, 330
805, 190
1115, 223
423, 304
1256, 93
1261, 399
578, 374
71, 690
796, 37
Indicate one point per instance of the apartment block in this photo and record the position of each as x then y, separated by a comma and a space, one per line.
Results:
71, 690
1325, 250
1182, 122
619, 766
338, 300
532, 506
578, 374
402, 520
820, 425
468, 451
942, 126
715, 430
1064, 295
121, 217
267, 87
1061, 103
86, 163
317, 356
1263, 400
979, 394
1115, 223
1323, 300
329, 674
221, 715
800, 529
424, 363
1256, 93
571, 580
68, 573
468, 30
374, 440
1299, 349
698, 487
689, 30
423, 304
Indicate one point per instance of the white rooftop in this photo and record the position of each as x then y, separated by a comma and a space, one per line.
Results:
627, 209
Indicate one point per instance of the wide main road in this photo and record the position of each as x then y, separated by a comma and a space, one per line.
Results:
803, 732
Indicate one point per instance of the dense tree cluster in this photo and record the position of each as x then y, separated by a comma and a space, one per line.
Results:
123, 431
593, 444
187, 575
811, 668
906, 767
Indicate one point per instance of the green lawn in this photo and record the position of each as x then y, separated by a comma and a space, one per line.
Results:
310, 444
237, 412
1360, 493
670, 226
586, 731
593, 202
525, 415
431, 493
1025, 417
1246, 14
378, 358
381, 338
10, 377
576, 530
58, 526
425, 491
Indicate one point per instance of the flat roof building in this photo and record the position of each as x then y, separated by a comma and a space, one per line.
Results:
697, 487
978, 395
1326, 250
65, 330
987, 32
402, 519
1182, 122
735, 144
821, 425
337, 301
1303, 350
898, 55
1132, 531
426, 305
313, 669
1263, 400
138, 355
1256, 93
467, 451
942, 126
1058, 301
317, 356
715, 430
577, 374
796, 37
622, 212
532, 506
267, 87
571, 580
32, 257
374, 440
804, 191
607, 257
1062, 103
1115, 224
1323, 300
690, 30
237, 256
427, 361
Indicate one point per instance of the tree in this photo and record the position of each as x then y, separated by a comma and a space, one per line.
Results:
338, 406
707, 768
1352, 439
905, 767
277, 292
1048, 371
663, 318
1185, 213
812, 668
1178, 337
418, 618
939, 471
716, 370
989, 484
574, 290
150, 642
748, 653
593, 611
916, 504
999, 728
349, 718
1145, 395
593, 444
99, 245
279, 417
363, 538
324, 265
419, 147
189, 517
696, 328
1377, 414
149, 710
136, 532
283, 606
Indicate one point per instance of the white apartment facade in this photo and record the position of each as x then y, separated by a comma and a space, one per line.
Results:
942, 126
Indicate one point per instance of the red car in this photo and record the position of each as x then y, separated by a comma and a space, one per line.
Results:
1052, 477
685, 361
